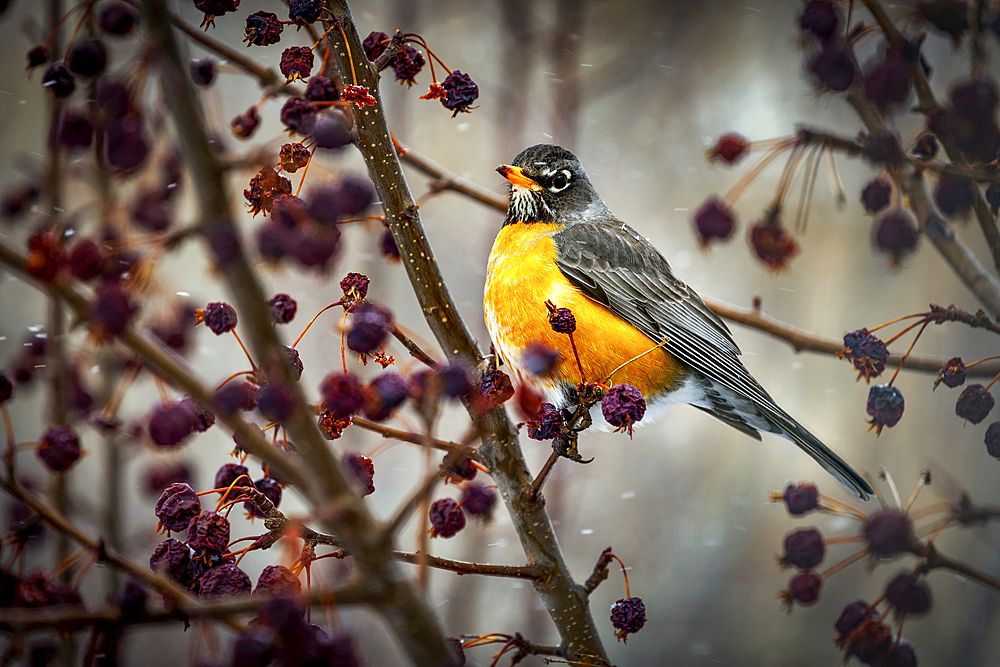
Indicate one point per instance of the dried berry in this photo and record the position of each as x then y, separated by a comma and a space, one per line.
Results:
547, 424
383, 395
901, 654
888, 532
370, 326
895, 234
234, 396
628, 615
293, 157
270, 489
39, 589
208, 533
730, 148
332, 428
479, 501
360, 95
926, 147
355, 286
213, 8
304, 11
87, 58
321, 89
226, 579
407, 63
387, 247
460, 92
317, 248
58, 80
866, 351
496, 387
178, 504
992, 439
883, 148
820, 18
955, 196
869, 641
623, 406
772, 244
342, 395
447, 518
974, 403
275, 402
170, 423
263, 29
220, 317
562, 321
203, 71
462, 468
876, 194
804, 549
833, 67
228, 474
6, 388
299, 115
907, 595
125, 145
354, 195
887, 82
171, 558
714, 220
85, 260
885, 406
201, 417
801, 498
59, 448
244, 125
266, 186
852, 616
74, 130
804, 588
46, 255
37, 56
363, 470
330, 134
117, 18
296, 63
374, 44
277, 580
952, 373
283, 308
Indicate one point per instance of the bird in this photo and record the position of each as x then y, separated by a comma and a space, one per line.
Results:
636, 322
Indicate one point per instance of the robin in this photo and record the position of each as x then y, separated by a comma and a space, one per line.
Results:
636, 323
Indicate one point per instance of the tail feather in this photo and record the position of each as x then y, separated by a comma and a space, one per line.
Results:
823, 455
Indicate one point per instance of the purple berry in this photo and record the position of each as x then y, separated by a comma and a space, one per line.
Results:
908, 596
889, 532
623, 406
547, 424
628, 616
885, 406
370, 326
283, 308
59, 448
974, 403
804, 549
208, 533
363, 470
447, 518
714, 220
277, 580
177, 506
226, 579
342, 395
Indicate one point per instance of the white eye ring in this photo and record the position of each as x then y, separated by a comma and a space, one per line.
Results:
560, 181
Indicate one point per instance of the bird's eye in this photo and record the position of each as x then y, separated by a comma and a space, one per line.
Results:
560, 181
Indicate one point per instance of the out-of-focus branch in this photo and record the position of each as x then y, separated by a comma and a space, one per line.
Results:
563, 597
342, 510
929, 105
415, 438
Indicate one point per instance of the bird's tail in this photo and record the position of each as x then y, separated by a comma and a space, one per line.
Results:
833, 464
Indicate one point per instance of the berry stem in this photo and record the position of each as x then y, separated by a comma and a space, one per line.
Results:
245, 351
788, 174
55, 30
306, 170
853, 558
900, 367
932, 508
995, 377
319, 41
845, 539
233, 377
894, 321
628, 593
343, 353
230, 488
979, 361
741, 185
607, 382
805, 200
837, 505
338, 303
76, 28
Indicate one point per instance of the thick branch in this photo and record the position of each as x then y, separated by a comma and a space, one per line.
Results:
418, 439
564, 598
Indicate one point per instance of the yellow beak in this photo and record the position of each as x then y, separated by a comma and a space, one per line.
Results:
516, 176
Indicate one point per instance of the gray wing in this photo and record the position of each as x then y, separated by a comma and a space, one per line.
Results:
613, 265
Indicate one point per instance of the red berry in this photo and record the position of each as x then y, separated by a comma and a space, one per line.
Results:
342, 395
540, 359
244, 125
730, 148
331, 134
293, 157
125, 145
546, 424
407, 63
170, 423
74, 130
304, 11
384, 394
955, 196
772, 244
992, 439
283, 308
37, 56
479, 501
562, 321
58, 80
374, 44
296, 63
226, 579
275, 402
370, 326
117, 18
804, 588
321, 89
852, 616
866, 351
87, 58
496, 387
953, 372
85, 260
363, 470
460, 92
896, 234
208, 533
171, 557
355, 286
820, 18
299, 115
220, 317
203, 71
263, 29
6, 388
888, 82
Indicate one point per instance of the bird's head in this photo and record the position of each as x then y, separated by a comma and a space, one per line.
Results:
548, 184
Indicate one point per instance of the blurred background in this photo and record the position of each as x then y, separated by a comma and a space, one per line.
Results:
638, 90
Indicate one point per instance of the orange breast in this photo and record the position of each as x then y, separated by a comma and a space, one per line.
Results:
521, 276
